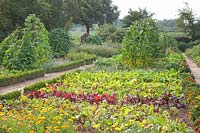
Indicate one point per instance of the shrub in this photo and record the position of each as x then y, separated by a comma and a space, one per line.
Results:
31, 50
140, 45
106, 30
194, 54
60, 42
118, 35
184, 39
99, 50
94, 40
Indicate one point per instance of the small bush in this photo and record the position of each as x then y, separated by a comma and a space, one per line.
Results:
95, 39
117, 36
106, 30
60, 42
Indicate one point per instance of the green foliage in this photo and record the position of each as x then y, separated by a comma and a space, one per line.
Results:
117, 36
109, 32
60, 42
77, 55
10, 96
31, 50
194, 54
136, 16
109, 64
11, 40
187, 22
89, 12
168, 24
106, 30
95, 39
99, 50
13, 78
71, 64
140, 45
186, 45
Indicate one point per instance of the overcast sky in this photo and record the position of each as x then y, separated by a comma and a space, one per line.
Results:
163, 9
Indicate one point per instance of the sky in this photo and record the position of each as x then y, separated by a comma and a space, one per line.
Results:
163, 9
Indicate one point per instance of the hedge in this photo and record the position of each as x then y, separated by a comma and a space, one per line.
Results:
70, 65
11, 95
38, 85
20, 77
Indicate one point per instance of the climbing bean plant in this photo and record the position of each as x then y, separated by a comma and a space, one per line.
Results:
141, 44
26, 48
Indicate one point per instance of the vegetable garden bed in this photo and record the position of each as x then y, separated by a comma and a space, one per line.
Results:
136, 101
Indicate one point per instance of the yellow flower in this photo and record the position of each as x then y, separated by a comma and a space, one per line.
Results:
118, 129
2, 113
116, 124
96, 126
3, 119
42, 118
70, 120
9, 129
38, 122
196, 106
198, 97
56, 129
1, 106
164, 128
43, 111
47, 131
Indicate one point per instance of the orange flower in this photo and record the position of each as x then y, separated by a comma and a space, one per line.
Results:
198, 97
31, 131
65, 126
21, 125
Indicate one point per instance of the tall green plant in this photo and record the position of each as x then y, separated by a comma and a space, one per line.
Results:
140, 45
60, 42
32, 50
8, 42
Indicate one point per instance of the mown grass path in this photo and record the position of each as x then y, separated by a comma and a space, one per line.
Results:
194, 69
21, 85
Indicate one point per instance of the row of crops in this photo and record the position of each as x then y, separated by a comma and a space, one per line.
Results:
128, 101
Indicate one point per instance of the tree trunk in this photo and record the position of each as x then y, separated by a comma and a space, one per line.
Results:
88, 28
193, 32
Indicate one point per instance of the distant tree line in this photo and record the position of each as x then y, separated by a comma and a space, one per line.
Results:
56, 13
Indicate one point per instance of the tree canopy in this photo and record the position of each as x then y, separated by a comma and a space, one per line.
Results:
56, 13
136, 15
187, 21
89, 12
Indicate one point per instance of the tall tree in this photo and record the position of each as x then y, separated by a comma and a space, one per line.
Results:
186, 20
136, 15
89, 12
14, 12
